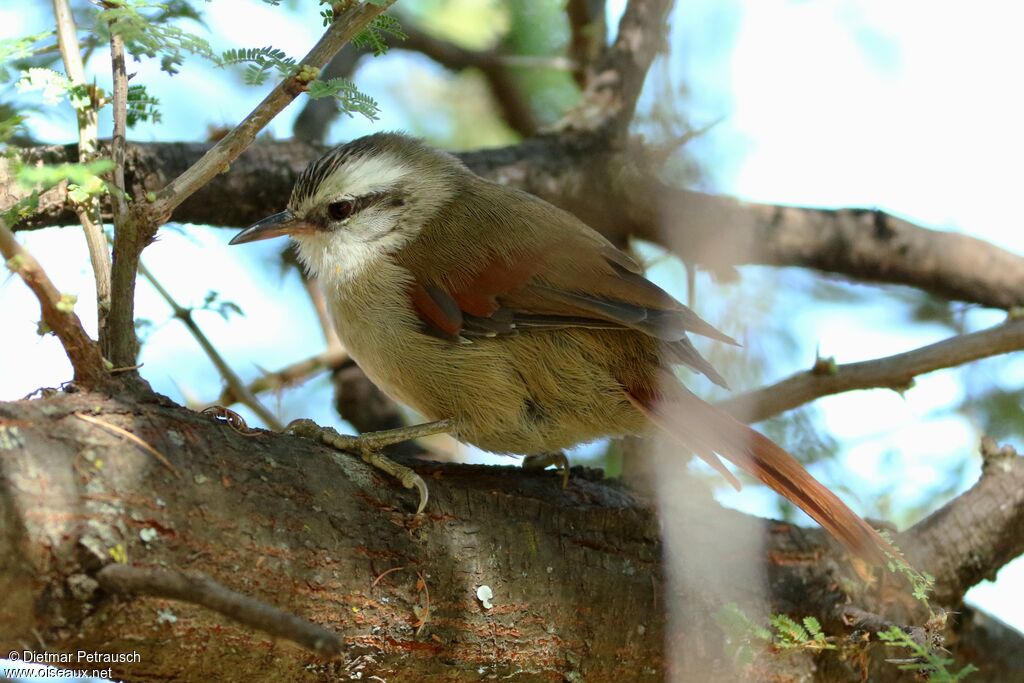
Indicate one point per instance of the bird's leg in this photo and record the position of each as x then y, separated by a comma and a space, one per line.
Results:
370, 445
533, 463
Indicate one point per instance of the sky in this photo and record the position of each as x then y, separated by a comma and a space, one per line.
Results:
907, 106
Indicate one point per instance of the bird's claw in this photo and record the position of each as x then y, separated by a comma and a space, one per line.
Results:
368, 446
540, 462
405, 475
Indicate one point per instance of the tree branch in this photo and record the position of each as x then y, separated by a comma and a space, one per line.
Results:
57, 312
146, 217
87, 112
120, 579
893, 372
971, 537
119, 141
587, 30
234, 383
293, 374
614, 191
864, 244
610, 98
319, 534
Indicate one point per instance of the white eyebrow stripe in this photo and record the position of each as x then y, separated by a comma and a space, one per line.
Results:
358, 176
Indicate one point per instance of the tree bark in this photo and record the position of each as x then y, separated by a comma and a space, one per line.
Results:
578, 580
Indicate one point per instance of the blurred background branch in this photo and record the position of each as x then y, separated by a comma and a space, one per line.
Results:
579, 173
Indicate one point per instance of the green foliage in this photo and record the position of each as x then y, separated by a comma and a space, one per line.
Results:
83, 180
924, 660
154, 36
921, 583
259, 62
141, 106
212, 302
21, 209
350, 100
790, 635
746, 638
373, 36
11, 123
14, 49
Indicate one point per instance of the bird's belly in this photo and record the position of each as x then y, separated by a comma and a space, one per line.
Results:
517, 394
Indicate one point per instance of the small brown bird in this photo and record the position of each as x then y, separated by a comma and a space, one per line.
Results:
514, 325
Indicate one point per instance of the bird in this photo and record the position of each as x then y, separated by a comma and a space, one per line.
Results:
510, 323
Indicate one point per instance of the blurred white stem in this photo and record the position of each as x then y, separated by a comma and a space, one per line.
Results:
99, 254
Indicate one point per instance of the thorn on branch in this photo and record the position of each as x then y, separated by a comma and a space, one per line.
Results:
198, 589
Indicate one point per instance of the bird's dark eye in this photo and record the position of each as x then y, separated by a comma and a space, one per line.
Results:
339, 211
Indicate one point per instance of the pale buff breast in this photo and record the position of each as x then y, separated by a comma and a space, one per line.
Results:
519, 394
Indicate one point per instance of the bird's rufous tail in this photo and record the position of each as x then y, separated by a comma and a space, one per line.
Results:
707, 431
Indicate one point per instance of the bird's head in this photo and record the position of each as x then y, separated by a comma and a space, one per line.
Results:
362, 200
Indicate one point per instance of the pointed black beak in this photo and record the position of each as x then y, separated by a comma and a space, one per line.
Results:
284, 223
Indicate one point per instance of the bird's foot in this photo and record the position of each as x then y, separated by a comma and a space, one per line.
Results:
533, 463
370, 445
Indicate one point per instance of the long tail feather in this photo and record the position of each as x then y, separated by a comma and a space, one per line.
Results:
706, 430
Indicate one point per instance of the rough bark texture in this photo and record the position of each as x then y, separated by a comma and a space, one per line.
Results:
577, 575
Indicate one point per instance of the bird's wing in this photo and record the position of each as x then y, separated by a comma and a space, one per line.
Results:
537, 267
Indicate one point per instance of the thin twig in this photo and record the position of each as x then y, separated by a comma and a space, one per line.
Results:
57, 312
288, 376
201, 590
234, 382
385, 573
71, 54
346, 25
894, 372
88, 213
146, 217
131, 437
119, 141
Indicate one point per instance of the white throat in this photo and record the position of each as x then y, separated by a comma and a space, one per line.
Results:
339, 257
